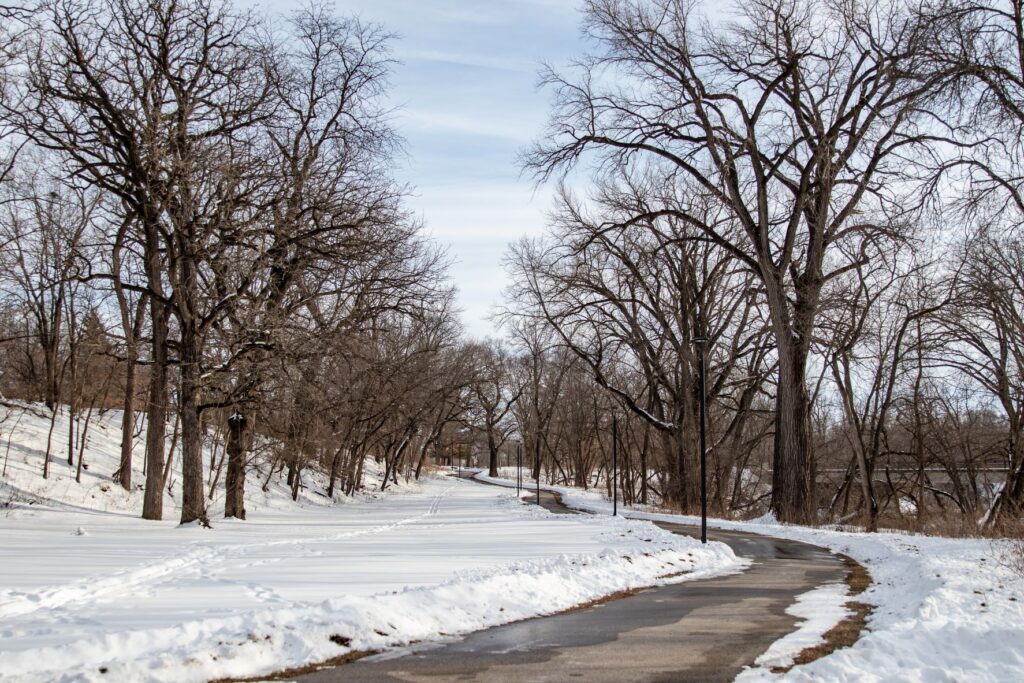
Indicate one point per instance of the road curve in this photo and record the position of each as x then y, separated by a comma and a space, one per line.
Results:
707, 630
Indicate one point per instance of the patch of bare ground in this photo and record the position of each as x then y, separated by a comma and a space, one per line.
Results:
673, 575
847, 631
617, 595
287, 674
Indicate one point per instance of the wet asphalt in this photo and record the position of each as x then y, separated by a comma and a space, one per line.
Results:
702, 631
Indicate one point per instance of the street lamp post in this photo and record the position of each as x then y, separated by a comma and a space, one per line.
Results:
701, 343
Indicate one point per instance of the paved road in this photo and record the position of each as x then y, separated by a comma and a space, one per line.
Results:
706, 630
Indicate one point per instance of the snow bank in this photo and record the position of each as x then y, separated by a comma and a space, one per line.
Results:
262, 642
819, 610
945, 609
90, 592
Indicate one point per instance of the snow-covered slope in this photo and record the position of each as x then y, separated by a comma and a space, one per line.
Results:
25, 428
89, 591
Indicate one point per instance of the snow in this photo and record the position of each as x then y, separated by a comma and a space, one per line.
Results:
91, 592
819, 610
945, 609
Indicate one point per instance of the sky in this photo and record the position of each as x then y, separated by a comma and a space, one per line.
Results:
466, 98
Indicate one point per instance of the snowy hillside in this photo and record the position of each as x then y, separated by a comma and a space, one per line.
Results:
25, 429
89, 591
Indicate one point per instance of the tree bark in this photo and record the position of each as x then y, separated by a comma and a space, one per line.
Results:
156, 424
124, 472
334, 472
792, 480
234, 499
492, 449
193, 502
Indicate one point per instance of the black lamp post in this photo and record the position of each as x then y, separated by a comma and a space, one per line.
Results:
701, 343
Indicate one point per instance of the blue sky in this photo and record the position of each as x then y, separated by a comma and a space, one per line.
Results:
467, 102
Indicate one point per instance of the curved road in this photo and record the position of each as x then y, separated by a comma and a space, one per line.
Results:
707, 630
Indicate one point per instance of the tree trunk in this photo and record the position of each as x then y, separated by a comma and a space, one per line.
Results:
49, 440
334, 472
792, 480
423, 456
854, 437
643, 466
684, 477
296, 483
73, 393
356, 482
156, 423
234, 499
156, 405
492, 448
50, 349
127, 422
193, 502
153, 502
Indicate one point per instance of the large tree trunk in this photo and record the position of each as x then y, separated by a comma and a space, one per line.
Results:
193, 502
234, 499
153, 502
492, 449
792, 462
792, 472
156, 408
684, 475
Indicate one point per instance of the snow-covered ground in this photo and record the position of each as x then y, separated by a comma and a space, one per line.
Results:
88, 591
945, 609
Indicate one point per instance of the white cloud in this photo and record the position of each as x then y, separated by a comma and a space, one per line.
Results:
482, 60
420, 120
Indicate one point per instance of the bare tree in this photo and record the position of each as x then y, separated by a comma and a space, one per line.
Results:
793, 119
869, 344
986, 320
494, 397
149, 102
628, 297
980, 176
44, 224
330, 199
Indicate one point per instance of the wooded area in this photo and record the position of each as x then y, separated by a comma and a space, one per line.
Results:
200, 227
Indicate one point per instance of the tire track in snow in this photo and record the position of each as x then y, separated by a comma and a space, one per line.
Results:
84, 591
